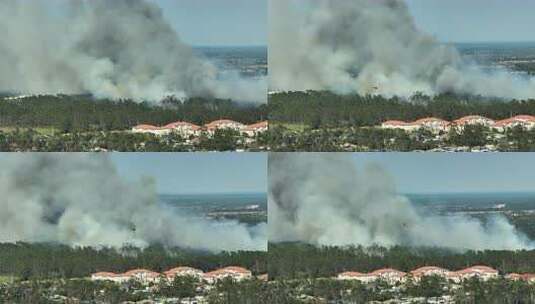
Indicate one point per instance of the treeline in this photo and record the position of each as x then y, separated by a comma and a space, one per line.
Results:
354, 139
326, 109
349, 139
299, 261
84, 113
85, 291
428, 290
38, 260
29, 140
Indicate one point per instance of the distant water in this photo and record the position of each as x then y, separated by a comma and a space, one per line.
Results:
249, 61
253, 51
491, 53
494, 45
513, 201
208, 202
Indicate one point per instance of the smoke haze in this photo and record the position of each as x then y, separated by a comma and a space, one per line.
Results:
371, 47
114, 49
79, 199
322, 199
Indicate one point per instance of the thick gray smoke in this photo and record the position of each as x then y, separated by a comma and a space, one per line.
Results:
79, 199
371, 47
114, 49
322, 199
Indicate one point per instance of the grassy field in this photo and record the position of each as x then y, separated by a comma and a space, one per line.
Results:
291, 126
6, 279
40, 130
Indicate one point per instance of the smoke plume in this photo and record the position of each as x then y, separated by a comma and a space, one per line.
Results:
79, 199
114, 49
322, 199
371, 47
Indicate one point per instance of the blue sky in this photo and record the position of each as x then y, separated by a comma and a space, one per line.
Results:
189, 173
456, 172
218, 22
476, 20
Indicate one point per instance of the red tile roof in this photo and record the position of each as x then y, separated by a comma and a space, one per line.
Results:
478, 269
263, 277
146, 127
518, 118
503, 122
388, 270
177, 124
453, 274
256, 126
430, 120
146, 272
528, 276
515, 276
353, 274
229, 269
467, 119
422, 270
396, 123
104, 274
462, 120
217, 123
176, 270
524, 118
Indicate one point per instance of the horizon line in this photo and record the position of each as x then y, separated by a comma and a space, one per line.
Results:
523, 191
228, 45
217, 193
488, 41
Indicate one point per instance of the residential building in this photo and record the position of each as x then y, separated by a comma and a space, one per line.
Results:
398, 124
103, 276
472, 120
263, 277
529, 277
150, 129
143, 275
390, 275
515, 276
433, 124
224, 124
357, 276
418, 273
255, 129
234, 272
183, 128
525, 121
182, 272
482, 272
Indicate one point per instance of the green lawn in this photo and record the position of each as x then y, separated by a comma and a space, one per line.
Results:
40, 130
6, 279
292, 126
